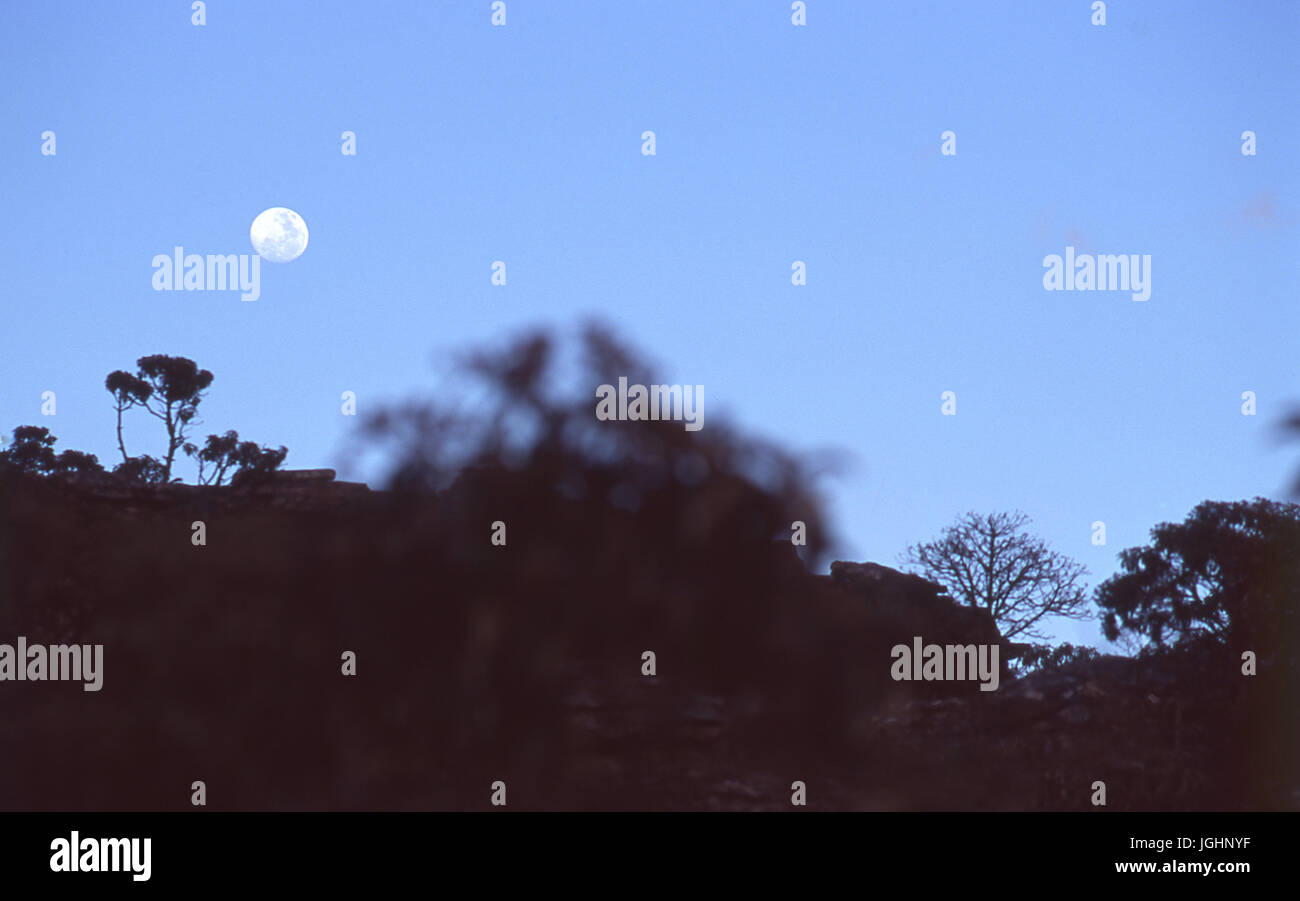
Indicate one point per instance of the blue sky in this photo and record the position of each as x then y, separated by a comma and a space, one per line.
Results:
774, 144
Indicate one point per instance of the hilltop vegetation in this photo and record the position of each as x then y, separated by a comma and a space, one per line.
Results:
500, 600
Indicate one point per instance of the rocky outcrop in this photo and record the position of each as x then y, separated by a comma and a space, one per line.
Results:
906, 606
289, 489
1159, 732
302, 489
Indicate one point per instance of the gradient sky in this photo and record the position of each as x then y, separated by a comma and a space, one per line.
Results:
775, 143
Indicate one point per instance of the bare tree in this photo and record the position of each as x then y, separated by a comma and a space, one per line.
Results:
989, 561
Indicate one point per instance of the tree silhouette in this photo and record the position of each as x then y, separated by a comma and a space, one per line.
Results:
243, 459
75, 461
128, 391
32, 451
1229, 573
143, 468
989, 561
170, 389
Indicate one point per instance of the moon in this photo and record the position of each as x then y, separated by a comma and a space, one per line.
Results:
279, 235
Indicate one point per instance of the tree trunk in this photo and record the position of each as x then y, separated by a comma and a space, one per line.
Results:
171, 446
120, 444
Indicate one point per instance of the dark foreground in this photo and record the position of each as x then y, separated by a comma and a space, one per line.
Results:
523, 664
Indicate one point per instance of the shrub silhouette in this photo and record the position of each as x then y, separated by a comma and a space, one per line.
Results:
32, 451
243, 460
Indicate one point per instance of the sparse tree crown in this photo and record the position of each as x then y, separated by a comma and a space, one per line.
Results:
169, 389
989, 561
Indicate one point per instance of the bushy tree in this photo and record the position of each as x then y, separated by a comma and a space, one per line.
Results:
990, 561
1229, 573
32, 451
632, 525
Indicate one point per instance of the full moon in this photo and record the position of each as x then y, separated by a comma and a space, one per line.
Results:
279, 235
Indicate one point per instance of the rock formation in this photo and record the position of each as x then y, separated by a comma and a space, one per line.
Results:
907, 605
